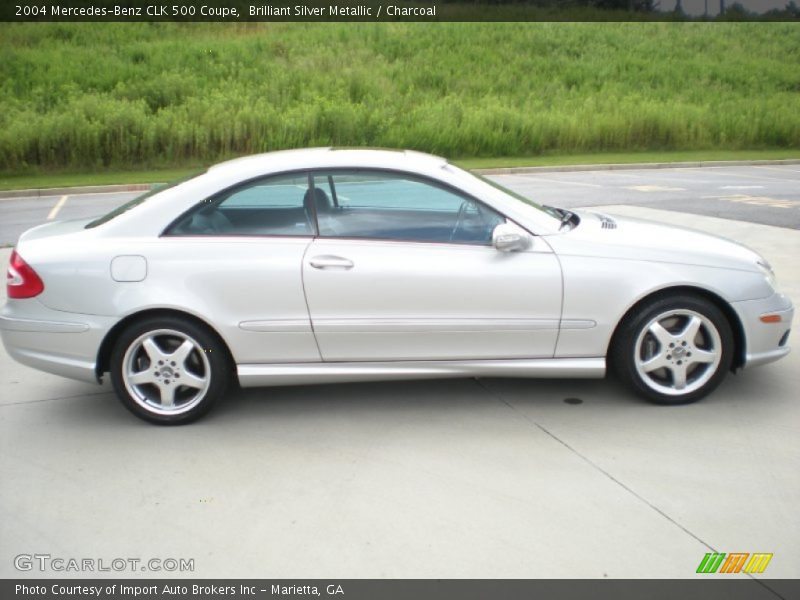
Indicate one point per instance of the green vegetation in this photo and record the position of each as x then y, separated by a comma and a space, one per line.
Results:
610, 158
104, 177
156, 95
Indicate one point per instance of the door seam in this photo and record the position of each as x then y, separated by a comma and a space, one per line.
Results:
305, 297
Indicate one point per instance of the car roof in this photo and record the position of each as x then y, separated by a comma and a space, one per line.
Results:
309, 158
147, 217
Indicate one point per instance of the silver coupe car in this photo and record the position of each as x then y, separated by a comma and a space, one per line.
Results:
328, 265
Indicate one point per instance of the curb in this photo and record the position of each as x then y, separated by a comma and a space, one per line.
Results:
71, 191
144, 187
633, 166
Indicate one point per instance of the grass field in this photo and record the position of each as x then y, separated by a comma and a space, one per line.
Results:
142, 96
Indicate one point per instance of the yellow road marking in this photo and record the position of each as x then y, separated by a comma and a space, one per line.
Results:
743, 176
758, 201
564, 182
54, 211
781, 170
654, 188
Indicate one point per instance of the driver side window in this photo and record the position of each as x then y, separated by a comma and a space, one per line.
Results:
395, 206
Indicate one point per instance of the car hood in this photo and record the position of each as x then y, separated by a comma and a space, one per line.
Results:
599, 234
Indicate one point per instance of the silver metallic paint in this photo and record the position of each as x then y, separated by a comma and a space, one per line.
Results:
403, 309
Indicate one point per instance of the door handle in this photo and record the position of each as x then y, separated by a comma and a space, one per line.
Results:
330, 262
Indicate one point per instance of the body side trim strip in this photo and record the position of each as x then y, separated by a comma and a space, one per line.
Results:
578, 324
277, 326
251, 375
431, 325
14, 324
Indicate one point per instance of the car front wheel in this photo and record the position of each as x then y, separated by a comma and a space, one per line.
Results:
168, 371
674, 350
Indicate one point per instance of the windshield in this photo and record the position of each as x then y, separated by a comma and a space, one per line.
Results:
548, 210
156, 189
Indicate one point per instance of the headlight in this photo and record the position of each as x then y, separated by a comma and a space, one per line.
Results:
766, 269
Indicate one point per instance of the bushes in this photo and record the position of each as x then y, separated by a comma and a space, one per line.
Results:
143, 94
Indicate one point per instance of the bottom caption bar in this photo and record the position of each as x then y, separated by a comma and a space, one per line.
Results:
744, 588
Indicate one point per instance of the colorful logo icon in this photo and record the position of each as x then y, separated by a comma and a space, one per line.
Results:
734, 562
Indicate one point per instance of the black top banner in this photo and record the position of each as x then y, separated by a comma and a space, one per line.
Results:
240, 11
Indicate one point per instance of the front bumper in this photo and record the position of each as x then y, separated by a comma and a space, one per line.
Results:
765, 342
64, 344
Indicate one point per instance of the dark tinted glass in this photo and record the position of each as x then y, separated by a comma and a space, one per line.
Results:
277, 205
391, 206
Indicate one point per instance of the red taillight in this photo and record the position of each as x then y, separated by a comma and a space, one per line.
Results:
21, 280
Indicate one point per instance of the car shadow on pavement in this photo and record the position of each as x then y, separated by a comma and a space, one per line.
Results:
414, 399
419, 396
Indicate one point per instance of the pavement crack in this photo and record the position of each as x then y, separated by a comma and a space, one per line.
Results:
617, 481
4, 404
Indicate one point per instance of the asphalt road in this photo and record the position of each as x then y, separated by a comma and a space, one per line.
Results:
431, 479
769, 195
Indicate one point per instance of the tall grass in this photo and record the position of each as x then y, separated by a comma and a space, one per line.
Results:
153, 94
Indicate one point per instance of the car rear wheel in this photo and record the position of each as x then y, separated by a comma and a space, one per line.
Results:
168, 371
674, 350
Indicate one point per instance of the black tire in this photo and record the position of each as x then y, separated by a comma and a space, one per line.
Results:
673, 356
184, 362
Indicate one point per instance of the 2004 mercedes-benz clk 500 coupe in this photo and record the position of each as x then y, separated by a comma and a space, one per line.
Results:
328, 265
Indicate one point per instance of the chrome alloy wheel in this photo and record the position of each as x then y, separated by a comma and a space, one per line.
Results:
166, 372
678, 352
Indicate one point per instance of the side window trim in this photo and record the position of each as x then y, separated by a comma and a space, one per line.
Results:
313, 215
334, 197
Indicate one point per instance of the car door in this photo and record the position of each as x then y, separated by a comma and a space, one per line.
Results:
238, 256
404, 269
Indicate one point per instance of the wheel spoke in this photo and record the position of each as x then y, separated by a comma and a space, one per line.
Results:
692, 328
703, 356
191, 380
656, 362
142, 377
182, 353
662, 335
678, 376
167, 395
152, 349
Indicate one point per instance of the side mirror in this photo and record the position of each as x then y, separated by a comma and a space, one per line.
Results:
508, 237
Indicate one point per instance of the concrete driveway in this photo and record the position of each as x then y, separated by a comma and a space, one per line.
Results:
445, 479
